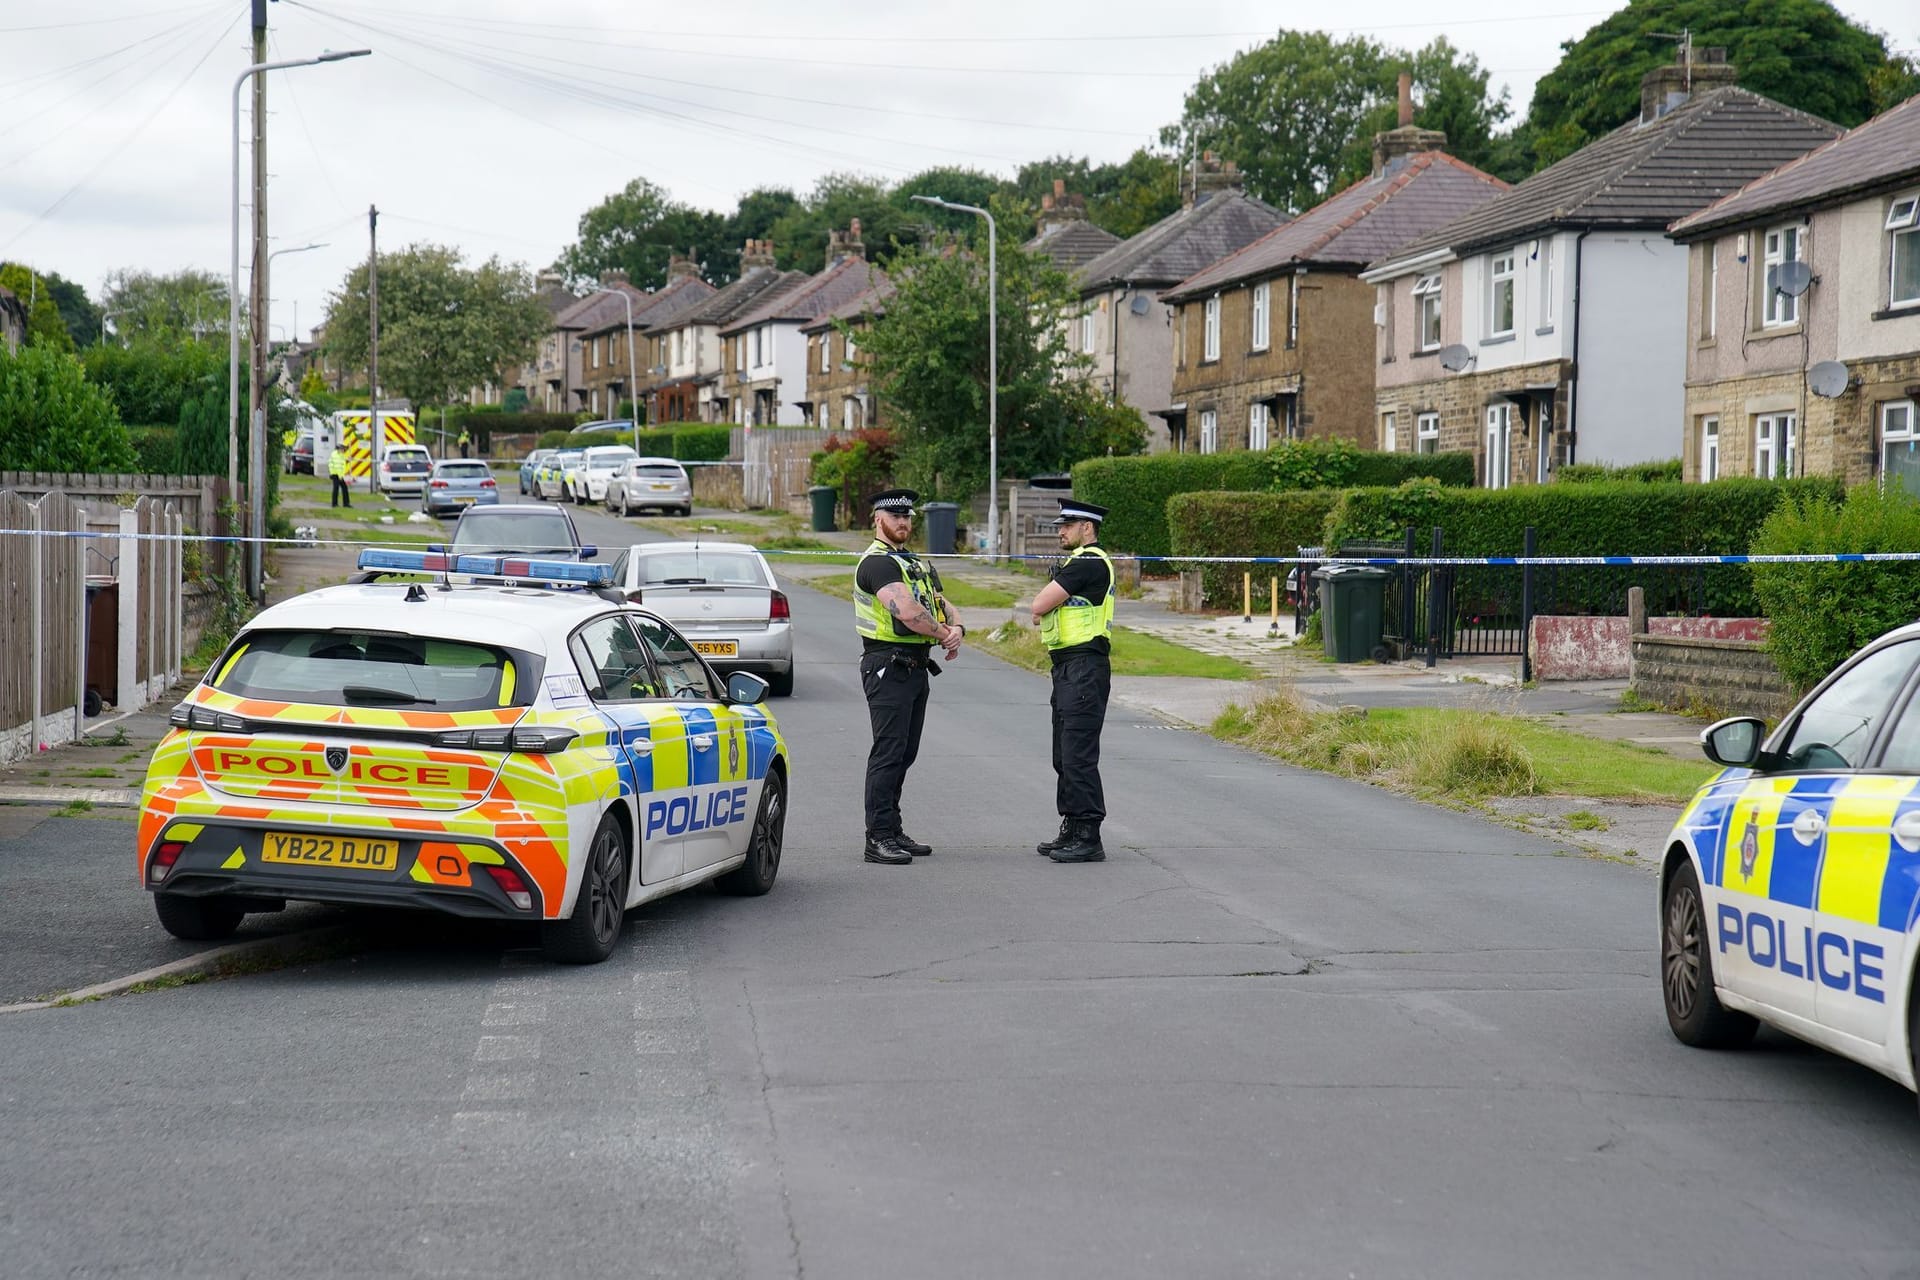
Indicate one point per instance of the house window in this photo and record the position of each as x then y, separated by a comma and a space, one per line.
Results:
1293, 311
1500, 302
1389, 433
850, 414
826, 352
1499, 445
1426, 428
1774, 439
1180, 340
1262, 316
1709, 288
1209, 431
1545, 252
851, 350
1212, 345
1257, 419
1900, 446
1779, 309
1903, 250
1089, 321
1710, 448
1426, 310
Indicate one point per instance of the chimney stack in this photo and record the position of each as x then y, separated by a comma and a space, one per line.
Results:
757, 254
845, 244
1215, 176
613, 278
1409, 139
1406, 98
1061, 207
681, 267
1665, 88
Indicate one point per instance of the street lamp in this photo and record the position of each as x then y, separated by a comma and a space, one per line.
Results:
633, 370
293, 334
233, 287
993, 368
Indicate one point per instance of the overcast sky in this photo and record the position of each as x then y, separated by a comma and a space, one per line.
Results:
492, 124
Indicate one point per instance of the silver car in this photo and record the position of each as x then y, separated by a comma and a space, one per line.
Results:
722, 597
650, 482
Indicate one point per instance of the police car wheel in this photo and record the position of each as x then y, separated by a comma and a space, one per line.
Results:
1694, 1010
599, 909
196, 919
755, 876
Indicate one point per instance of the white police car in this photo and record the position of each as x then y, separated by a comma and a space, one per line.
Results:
1791, 884
510, 752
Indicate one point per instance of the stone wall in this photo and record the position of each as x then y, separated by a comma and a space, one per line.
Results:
1598, 648
1729, 677
1837, 436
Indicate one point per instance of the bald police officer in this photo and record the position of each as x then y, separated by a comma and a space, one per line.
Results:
1075, 615
901, 616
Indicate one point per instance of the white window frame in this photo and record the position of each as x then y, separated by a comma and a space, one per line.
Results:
848, 350
1262, 315
1781, 245
1427, 295
1293, 310
1775, 442
1389, 432
1426, 433
1210, 346
1546, 284
1259, 421
1710, 286
1209, 431
1710, 447
1907, 433
1903, 233
1499, 469
1089, 330
1499, 289
826, 351
850, 414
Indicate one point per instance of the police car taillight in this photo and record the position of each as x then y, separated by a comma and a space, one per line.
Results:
536, 740
163, 859
191, 715
778, 609
513, 886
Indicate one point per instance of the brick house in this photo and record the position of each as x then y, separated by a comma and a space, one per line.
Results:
533, 377
683, 376
839, 394
1757, 327
1547, 325
1062, 232
607, 370
764, 382
1123, 327
1274, 342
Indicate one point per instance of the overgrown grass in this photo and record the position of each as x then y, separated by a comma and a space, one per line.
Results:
1459, 754
1135, 653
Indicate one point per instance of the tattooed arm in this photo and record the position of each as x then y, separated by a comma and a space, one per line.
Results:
911, 614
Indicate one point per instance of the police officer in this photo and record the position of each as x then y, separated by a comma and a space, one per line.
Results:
465, 443
901, 616
1075, 615
337, 468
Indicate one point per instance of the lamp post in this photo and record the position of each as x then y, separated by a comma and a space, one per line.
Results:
633, 371
993, 367
233, 283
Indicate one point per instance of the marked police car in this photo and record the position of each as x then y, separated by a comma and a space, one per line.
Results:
1791, 884
508, 752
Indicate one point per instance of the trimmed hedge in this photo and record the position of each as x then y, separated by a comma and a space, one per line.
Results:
1642, 472
155, 449
1242, 524
687, 441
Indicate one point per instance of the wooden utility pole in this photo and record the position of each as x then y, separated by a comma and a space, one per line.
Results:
257, 310
374, 433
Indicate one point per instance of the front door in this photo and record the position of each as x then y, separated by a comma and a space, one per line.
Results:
1497, 472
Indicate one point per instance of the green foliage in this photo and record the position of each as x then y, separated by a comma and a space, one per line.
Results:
183, 306
1804, 53
638, 229
515, 401
53, 419
1823, 612
79, 316
856, 465
1667, 472
800, 235
559, 425
155, 449
45, 327
151, 378
686, 441
314, 391
1245, 524
1335, 463
1125, 198
698, 442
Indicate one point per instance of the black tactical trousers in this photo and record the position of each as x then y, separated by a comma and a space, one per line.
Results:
1080, 687
896, 689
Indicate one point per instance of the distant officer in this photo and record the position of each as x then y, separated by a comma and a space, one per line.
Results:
464, 442
337, 468
900, 615
1075, 615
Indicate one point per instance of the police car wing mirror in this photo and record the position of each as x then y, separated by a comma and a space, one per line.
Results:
745, 687
1734, 742
589, 551
436, 546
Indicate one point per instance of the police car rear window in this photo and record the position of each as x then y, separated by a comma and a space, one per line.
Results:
373, 669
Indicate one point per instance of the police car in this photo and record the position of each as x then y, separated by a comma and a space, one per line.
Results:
1791, 883
515, 752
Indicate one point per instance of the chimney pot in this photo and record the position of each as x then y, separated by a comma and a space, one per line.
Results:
1059, 186
1406, 98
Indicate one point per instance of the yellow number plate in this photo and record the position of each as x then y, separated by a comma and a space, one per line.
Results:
353, 852
716, 648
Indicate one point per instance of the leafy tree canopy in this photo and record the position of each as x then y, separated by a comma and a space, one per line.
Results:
638, 229
150, 378
171, 306
45, 327
1124, 198
53, 419
800, 235
444, 326
80, 316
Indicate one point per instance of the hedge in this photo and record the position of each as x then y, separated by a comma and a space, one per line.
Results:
155, 449
1246, 524
687, 441
480, 422
1643, 472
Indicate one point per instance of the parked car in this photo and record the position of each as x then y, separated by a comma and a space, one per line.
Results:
299, 459
550, 481
531, 464
599, 465
606, 426
650, 482
722, 597
518, 530
456, 484
404, 469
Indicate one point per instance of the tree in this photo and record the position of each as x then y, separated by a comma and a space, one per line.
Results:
444, 327
53, 419
638, 229
1803, 53
189, 303
752, 219
78, 315
928, 357
45, 328
800, 235
949, 182
1124, 198
150, 378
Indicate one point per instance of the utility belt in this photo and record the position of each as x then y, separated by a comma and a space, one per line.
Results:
907, 660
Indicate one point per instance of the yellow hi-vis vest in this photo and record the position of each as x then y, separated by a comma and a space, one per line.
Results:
870, 616
337, 461
1076, 621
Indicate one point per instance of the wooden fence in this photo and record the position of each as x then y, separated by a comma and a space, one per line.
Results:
775, 463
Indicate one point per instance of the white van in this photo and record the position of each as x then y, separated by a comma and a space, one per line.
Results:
599, 465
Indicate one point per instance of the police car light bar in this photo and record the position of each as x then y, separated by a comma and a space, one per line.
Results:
513, 568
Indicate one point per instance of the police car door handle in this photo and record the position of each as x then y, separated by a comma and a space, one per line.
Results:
703, 742
1906, 829
641, 746
1808, 824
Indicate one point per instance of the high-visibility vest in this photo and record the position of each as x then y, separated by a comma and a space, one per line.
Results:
337, 461
871, 617
1078, 621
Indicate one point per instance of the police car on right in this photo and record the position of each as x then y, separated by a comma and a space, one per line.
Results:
1791, 883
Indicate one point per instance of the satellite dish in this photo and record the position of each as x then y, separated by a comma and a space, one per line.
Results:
1140, 304
1455, 358
1828, 379
1791, 278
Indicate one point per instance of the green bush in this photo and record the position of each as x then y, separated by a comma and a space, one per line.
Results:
1642, 472
1339, 464
701, 442
1246, 524
1823, 612
52, 418
155, 450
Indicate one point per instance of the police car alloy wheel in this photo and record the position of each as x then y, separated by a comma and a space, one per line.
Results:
587, 936
1694, 1010
755, 876
196, 919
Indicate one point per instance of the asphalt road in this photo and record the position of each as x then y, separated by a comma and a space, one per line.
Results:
1293, 1026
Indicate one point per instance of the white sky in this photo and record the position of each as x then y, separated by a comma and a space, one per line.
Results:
493, 124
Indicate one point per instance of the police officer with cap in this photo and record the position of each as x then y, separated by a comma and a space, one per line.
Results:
1075, 615
901, 616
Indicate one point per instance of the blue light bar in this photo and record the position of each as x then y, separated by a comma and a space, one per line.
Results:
511, 568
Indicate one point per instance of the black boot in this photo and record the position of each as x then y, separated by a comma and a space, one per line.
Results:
911, 845
1084, 845
886, 847
1065, 837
